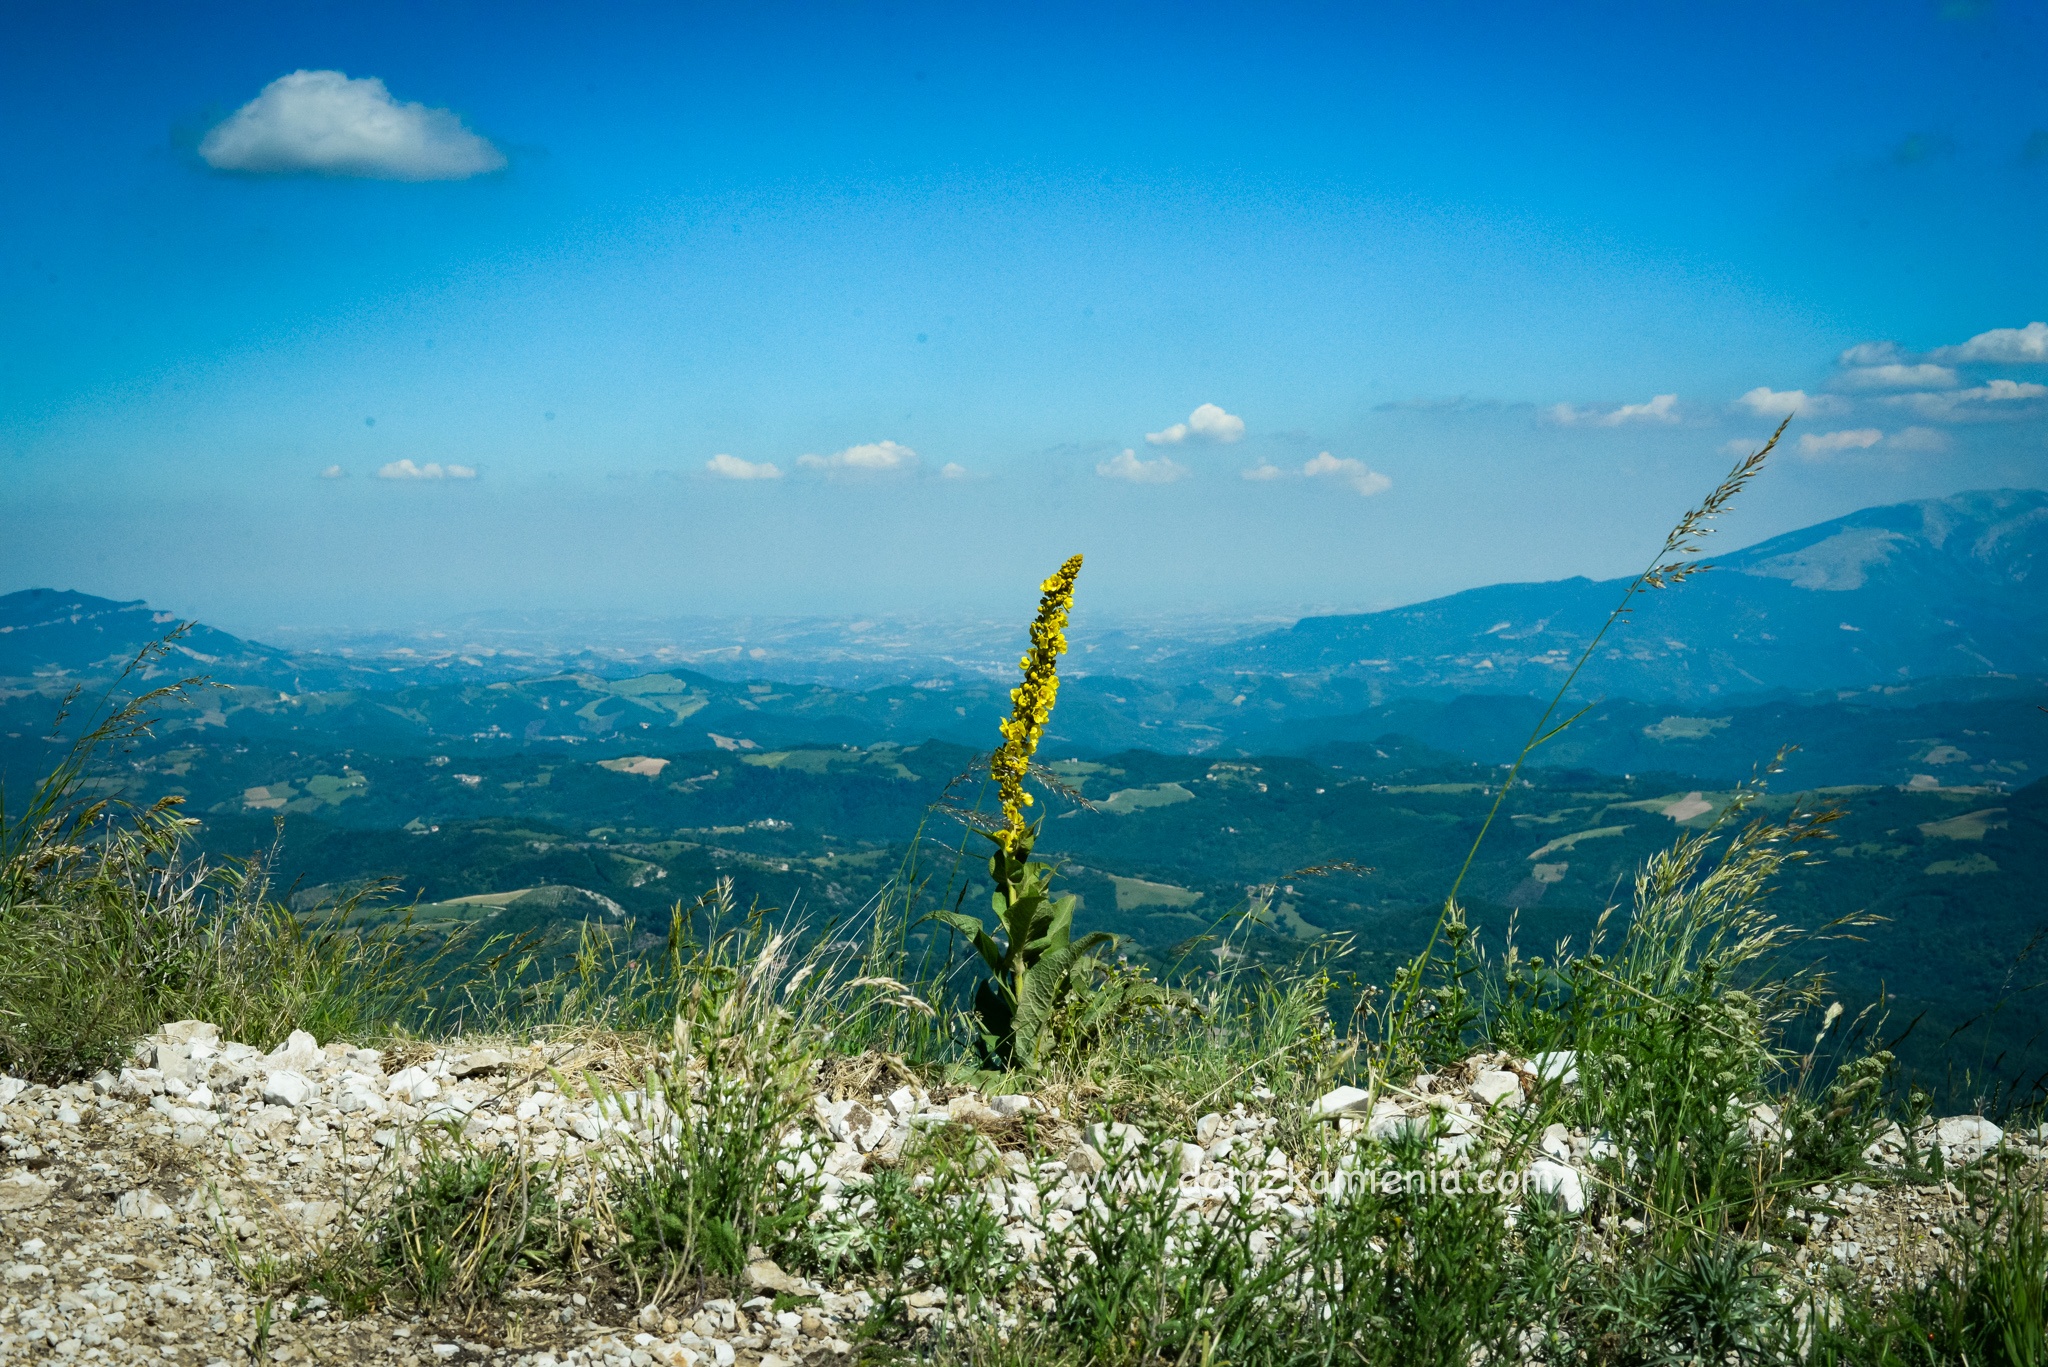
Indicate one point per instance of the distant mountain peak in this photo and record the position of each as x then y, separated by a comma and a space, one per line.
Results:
1928, 589
1995, 533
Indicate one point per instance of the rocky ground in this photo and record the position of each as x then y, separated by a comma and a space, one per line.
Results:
136, 1210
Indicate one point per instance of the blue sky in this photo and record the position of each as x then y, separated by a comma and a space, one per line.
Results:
1460, 293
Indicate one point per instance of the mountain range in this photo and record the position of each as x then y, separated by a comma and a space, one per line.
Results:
1898, 645
1936, 588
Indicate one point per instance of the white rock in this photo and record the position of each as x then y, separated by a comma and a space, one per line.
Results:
183, 1115
1113, 1140
142, 1081
1765, 1125
191, 1032
300, 1052
287, 1088
1966, 1138
1390, 1122
1191, 1158
360, 1102
969, 1109
903, 1102
1497, 1085
1557, 1181
1560, 1065
314, 1215
1339, 1101
482, 1061
24, 1191
413, 1085
143, 1204
12, 1087
1887, 1147
454, 1108
1557, 1142
174, 1062
1013, 1105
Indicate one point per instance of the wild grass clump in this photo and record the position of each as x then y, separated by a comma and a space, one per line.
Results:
730, 1165
111, 930
455, 1232
470, 1221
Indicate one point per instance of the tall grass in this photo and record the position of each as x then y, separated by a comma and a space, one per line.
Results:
111, 930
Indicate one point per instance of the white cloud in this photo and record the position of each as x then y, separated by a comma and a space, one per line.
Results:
1206, 423
334, 472
1766, 402
1870, 353
321, 121
405, 469
1988, 400
732, 467
1897, 375
1827, 443
1662, 408
1356, 473
1264, 470
1918, 439
2004, 391
875, 457
952, 469
1127, 466
2029, 343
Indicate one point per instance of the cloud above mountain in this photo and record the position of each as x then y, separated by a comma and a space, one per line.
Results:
1993, 400
1661, 408
1207, 423
732, 467
325, 123
405, 469
1766, 402
2023, 345
869, 458
1356, 473
1128, 468
1815, 445
1897, 375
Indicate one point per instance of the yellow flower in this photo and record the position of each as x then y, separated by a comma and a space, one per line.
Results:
1032, 700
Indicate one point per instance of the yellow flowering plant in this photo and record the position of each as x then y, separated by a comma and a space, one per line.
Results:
1035, 962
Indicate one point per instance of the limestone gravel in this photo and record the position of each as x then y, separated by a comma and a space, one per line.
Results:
126, 1201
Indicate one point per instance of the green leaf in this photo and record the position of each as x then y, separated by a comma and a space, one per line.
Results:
1044, 985
1023, 912
1091, 939
971, 926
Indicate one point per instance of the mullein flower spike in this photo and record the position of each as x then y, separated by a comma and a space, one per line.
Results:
1031, 701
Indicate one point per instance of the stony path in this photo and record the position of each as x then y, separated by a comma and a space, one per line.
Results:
124, 1199
126, 1202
